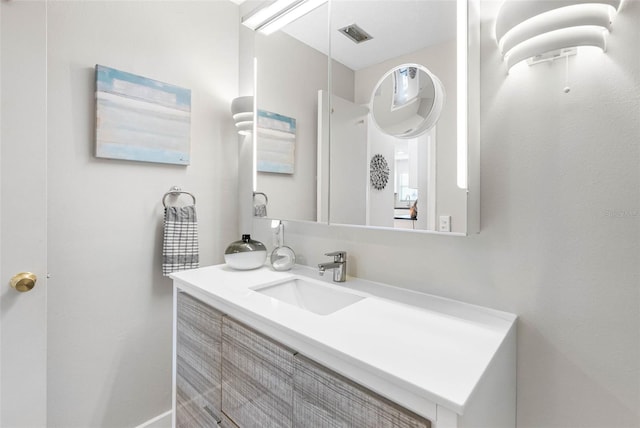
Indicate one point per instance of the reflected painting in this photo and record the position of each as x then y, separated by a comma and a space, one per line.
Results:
141, 119
275, 143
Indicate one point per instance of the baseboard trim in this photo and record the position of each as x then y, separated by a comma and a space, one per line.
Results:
160, 421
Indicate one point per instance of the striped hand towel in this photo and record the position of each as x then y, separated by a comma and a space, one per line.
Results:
180, 248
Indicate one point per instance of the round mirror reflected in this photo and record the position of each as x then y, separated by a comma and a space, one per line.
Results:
407, 101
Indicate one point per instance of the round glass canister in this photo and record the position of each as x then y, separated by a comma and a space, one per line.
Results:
283, 258
245, 254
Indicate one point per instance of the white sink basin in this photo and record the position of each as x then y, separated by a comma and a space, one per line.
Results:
313, 296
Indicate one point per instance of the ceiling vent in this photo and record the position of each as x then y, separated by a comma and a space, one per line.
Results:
355, 33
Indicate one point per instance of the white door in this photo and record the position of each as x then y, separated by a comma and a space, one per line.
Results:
23, 204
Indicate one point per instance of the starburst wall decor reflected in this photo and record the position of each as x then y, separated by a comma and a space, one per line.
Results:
379, 172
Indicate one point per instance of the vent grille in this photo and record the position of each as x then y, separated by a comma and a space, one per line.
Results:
355, 33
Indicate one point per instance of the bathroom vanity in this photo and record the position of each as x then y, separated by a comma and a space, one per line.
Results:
291, 349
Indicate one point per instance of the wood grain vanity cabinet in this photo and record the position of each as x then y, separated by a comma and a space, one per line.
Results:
322, 398
231, 375
257, 377
198, 361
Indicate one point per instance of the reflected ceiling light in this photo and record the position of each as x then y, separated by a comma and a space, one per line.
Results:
278, 14
242, 111
547, 30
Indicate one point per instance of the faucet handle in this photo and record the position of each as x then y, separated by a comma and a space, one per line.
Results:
338, 256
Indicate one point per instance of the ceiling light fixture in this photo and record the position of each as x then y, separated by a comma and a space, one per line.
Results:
547, 30
278, 14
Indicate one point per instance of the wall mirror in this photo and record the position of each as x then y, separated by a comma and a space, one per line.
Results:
327, 114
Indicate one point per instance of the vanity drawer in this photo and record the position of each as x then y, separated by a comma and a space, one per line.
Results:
324, 399
257, 378
198, 360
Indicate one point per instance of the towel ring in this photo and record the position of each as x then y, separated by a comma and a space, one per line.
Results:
175, 191
266, 200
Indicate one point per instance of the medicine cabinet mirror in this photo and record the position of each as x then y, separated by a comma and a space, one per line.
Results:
327, 147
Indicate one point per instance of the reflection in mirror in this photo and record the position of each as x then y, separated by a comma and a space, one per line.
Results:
401, 75
289, 75
336, 136
407, 101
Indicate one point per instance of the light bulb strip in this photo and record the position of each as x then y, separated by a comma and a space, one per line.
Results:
296, 11
266, 13
278, 14
462, 46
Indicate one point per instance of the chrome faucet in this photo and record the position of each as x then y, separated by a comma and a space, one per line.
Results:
339, 266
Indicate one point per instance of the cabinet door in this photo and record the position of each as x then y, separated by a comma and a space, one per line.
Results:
198, 360
226, 422
257, 378
323, 398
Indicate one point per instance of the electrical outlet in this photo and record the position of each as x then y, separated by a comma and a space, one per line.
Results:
444, 224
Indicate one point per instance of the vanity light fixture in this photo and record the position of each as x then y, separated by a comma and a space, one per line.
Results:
278, 14
463, 11
547, 30
242, 111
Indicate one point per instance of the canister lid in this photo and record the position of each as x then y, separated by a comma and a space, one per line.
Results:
245, 245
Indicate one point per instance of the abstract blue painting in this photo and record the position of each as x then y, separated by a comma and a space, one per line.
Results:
141, 119
275, 143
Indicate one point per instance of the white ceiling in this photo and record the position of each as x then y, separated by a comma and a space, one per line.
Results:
398, 27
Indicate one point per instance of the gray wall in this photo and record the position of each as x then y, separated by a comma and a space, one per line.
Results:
290, 74
289, 77
560, 237
109, 308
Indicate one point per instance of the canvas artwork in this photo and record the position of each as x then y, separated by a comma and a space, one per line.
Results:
141, 119
275, 143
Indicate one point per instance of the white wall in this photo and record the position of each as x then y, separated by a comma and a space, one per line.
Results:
109, 308
560, 239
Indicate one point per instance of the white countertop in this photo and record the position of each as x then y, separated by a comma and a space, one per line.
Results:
419, 350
